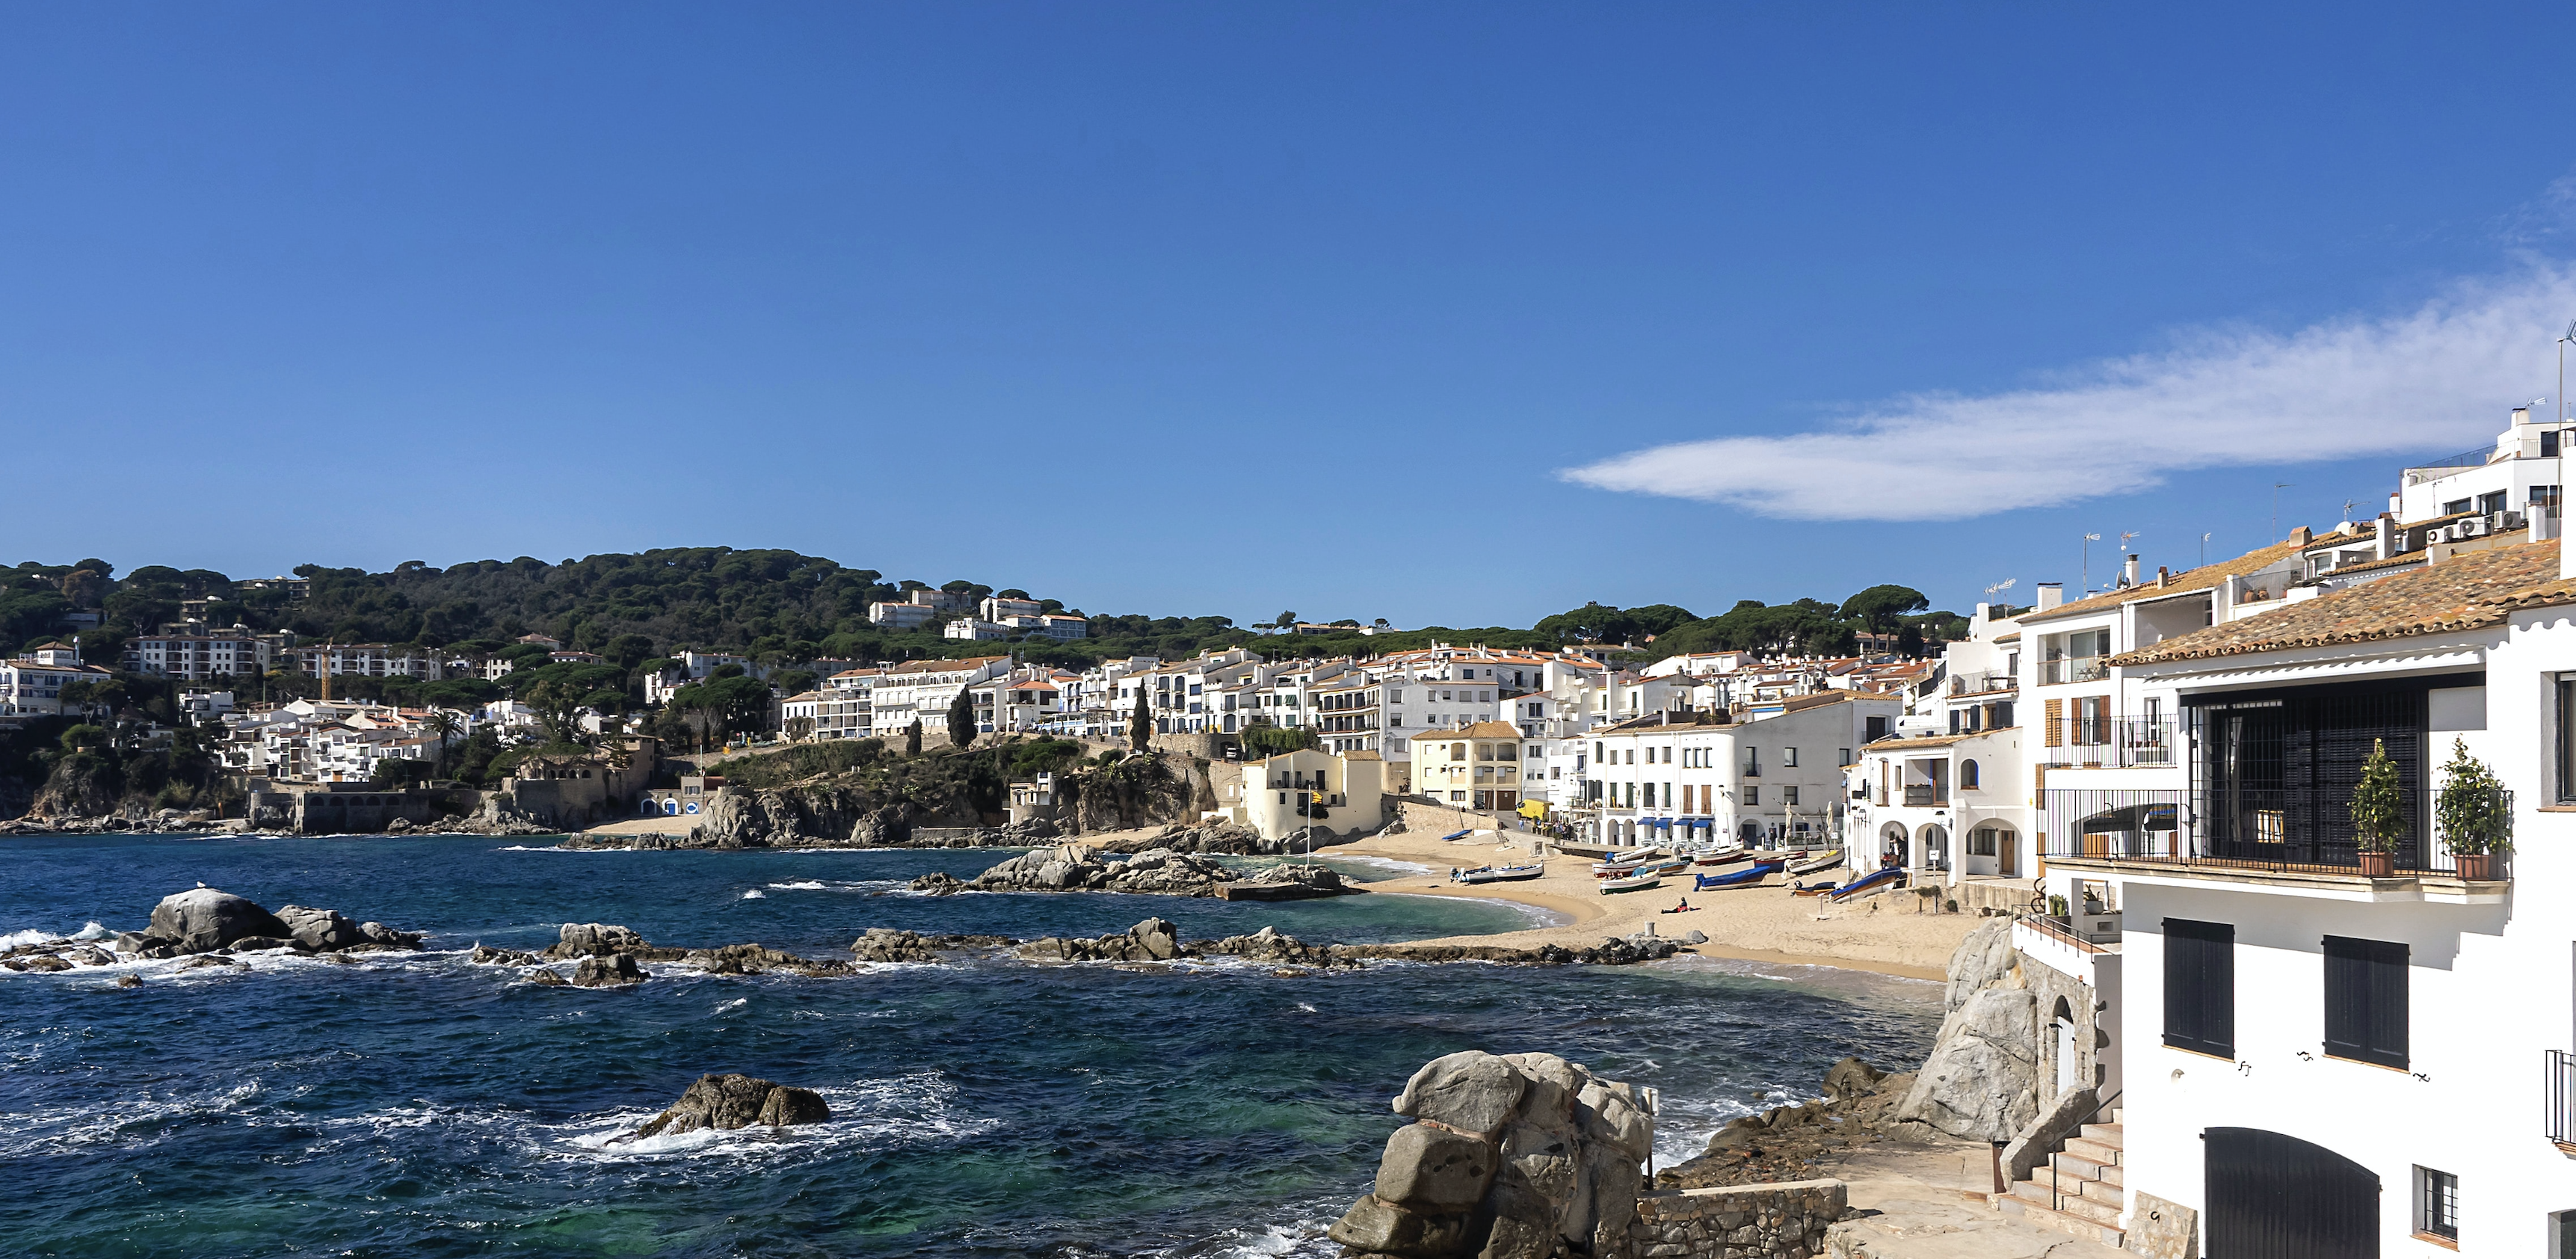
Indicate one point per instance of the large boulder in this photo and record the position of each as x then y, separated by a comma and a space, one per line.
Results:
613, 971
593, 939
320, 930
1981, 1080
1519, 1156
726, 1102
201, 920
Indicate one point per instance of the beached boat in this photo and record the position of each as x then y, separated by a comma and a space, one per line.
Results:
1825, 860
1630, 883
1719, 856
1619, 867
1508, 874
1668, 865
1746, 877
1481, 874
1871, 882
1821, 889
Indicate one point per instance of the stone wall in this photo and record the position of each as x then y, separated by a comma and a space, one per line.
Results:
1436, 820
1738, 1222
1203, 745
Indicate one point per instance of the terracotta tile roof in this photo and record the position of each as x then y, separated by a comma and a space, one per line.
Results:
2463, 592
2394, 561
1480, 730
1933, 740
2201, 578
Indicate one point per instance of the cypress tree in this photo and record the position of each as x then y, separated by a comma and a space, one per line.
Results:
912, 738
1140, 723
961, 718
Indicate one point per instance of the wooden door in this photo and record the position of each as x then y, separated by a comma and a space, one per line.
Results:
2277, 1197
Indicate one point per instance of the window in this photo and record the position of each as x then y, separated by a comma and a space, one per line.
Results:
1752, 797
1668, 756
1789, 758
1789, 796
2200, 986
1981, 842
2567, 742
2437, 1204
1632, 756
1752, 760
1846, 758
1967, 775
2366, 1001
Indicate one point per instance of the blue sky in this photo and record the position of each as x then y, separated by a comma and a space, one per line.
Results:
1457, 314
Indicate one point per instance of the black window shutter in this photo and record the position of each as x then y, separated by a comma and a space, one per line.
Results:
2200, 986
2366, 1001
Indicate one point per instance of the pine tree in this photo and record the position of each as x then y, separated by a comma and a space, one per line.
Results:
912, 738
961, 718
1140, 723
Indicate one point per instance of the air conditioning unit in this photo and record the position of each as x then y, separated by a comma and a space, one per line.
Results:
2473, 527
2508, 521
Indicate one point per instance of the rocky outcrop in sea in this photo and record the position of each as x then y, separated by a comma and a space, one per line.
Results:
729, 1102
1158, 872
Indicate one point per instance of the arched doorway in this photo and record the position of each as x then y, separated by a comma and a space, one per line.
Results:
2061, 1026
2277, 1197
1892, 846
1936, 847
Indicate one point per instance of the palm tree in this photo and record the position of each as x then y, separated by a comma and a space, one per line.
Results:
446, 723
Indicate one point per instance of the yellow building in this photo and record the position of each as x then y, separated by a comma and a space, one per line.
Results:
1475, 767
1343, 794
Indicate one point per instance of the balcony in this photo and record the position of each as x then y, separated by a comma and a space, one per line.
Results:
2074, 669
2291, 839
1925, 796
1982, 683
2117, 743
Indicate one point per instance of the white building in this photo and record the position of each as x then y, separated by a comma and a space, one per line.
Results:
2384, 1058
923, 689
32, 685
367, 660
195, 654
968, 629
1673, 776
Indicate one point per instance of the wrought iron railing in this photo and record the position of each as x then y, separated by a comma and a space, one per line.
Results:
2074, 669
2117, 742
2561, 1118
1918, 797
1982, 683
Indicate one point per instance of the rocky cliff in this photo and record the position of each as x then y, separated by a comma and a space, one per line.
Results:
1982, 1078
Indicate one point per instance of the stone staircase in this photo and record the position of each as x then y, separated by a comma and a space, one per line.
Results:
2089, 1196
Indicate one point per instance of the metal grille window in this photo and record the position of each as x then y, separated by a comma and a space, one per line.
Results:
2567, 741
2366, 1005
2276, 775
2437, 1204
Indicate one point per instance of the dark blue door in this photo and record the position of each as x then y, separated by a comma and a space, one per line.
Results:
2275, 1197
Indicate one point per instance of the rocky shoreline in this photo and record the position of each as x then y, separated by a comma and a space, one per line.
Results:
209, 927
1153, 872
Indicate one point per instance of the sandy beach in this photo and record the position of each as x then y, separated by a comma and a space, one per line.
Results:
1881, 933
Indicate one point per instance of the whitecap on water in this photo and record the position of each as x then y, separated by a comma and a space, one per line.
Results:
755, 894
124, 1121
735, 1004
838, 885
13, 939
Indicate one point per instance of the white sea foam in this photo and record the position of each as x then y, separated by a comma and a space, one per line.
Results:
735, 1004
839, 885
755, 894
93, 931
133, 1121
1378, 863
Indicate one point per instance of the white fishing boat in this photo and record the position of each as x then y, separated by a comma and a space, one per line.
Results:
1509, 874
1631, 883
1825, 860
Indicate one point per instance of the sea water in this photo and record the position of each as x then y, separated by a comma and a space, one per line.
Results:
420, 1105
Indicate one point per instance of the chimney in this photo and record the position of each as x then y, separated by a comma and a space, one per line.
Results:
2384, 528
2164, 576
2522, 415
2301, 536
2049, 594
2129, 572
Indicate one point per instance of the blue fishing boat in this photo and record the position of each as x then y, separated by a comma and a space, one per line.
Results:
1745, 877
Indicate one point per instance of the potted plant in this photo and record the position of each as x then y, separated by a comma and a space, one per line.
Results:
2474, 814
2378, 812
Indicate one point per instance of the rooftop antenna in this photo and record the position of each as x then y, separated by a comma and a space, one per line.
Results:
2277, 487
2089, 540
2569, 335
2347, 510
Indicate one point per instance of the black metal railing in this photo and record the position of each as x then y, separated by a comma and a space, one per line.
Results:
2075, 669
2117, 742
2562, 1098
1982, 683
1923, 797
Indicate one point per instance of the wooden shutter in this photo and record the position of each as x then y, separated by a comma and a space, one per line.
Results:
2200, 986
2366, 1001
2054, 727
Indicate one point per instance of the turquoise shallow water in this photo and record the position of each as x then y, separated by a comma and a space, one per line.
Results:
424, 1106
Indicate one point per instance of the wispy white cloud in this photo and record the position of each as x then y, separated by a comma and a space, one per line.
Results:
2436, 378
